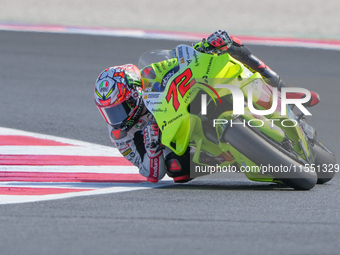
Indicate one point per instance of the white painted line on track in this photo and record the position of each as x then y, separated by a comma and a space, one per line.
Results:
14, 199
72, 169
328, 44
26, 171
58, 150
16, 132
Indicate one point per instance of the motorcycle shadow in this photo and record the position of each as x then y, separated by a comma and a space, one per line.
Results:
230, 186
228, 182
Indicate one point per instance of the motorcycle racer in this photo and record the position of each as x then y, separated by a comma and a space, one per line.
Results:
133, 129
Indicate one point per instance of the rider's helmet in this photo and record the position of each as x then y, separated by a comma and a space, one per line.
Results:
117, 97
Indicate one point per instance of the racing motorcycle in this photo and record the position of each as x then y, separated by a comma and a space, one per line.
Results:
194, 97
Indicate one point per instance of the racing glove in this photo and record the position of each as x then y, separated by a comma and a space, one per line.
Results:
219, 39
218, 42
153, 161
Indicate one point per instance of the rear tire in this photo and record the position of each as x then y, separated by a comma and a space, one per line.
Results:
260, 151
324, 161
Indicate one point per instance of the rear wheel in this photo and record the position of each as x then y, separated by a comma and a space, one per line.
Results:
260, 151
324, 164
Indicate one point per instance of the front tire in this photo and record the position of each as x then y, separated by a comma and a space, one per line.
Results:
324, 164
260, 151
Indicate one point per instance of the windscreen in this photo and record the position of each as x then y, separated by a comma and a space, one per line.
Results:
154, 56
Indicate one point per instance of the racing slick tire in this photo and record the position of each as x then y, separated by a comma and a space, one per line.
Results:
261, 151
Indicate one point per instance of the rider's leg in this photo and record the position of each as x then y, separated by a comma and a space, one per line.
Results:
178, 167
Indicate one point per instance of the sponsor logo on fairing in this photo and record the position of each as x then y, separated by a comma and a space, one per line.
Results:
209, 66
149, 102
173, 52
167, 77
196, 59
180, 52
177, 117
159, 110
188, 57
158, 68
163, 65
151, 95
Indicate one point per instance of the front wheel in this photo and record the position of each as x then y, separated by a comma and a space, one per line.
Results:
325, 163
260, 151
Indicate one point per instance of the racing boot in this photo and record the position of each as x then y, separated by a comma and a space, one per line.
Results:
178, 167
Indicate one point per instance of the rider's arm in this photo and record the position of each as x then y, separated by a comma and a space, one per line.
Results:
132, 146
243, 54
220, 42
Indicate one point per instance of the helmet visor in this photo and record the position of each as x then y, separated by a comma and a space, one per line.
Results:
117, 114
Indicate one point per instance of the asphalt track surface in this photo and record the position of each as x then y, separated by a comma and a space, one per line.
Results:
47, 85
